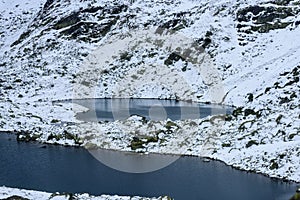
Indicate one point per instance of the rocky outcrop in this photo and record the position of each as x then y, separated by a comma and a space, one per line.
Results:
264, 18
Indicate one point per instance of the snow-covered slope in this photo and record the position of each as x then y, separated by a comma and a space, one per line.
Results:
49, 52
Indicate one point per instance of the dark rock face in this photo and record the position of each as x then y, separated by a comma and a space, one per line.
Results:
174, 24
173, 57
85, 24
180, 20
89, 29
21, 38
67, 21
263, 14
48, 4
77, 27
264, 18
206, 40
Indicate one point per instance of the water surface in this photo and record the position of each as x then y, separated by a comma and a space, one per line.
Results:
155, 109
67, 169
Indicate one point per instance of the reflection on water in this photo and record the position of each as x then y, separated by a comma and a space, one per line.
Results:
133, 162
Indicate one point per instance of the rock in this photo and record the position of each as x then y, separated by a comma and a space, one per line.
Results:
250, 97
177, 23
249, 112
251, 142
284, 100
297, 195
274, 165
169, 125
138, 143
173, 57
26, 136
228, 118
91, 31
206, 42
126, 56
48, 4
151, 139
278, 118
55, 121
52, 136
237, 111
264, 18
67, 21
21, 38
226, 145
15, 197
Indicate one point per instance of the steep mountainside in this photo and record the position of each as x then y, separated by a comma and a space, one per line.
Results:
250, 58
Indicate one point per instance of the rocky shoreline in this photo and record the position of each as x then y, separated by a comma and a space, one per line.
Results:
8, 193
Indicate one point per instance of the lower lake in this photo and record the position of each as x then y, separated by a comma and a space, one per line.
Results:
54, 168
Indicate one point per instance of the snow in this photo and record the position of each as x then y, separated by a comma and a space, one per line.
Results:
48, 66
6, 192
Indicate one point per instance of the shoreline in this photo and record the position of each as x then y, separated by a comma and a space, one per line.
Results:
19, 193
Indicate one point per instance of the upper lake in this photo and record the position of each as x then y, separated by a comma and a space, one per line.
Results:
154, 109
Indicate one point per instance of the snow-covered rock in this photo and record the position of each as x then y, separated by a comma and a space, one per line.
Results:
14, 193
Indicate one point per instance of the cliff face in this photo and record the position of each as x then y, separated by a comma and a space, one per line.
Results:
49, 49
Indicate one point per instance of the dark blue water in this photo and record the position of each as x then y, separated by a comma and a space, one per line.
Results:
155, 109
67, 169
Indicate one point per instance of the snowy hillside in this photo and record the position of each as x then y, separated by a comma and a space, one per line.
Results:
250, 53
